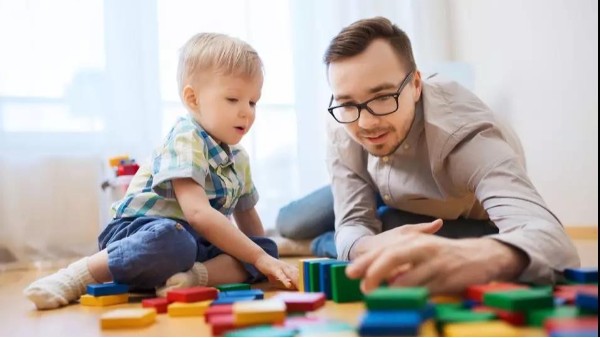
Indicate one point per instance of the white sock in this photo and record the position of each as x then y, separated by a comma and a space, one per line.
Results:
196, 276
62, 287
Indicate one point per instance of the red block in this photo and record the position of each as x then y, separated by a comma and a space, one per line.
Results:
569, 292
301, 301
190, 295
476, 292
571, 324
221, 324
223, 309
160, 304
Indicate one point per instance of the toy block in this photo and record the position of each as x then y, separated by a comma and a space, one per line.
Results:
127, 318
179, 309
441, 308
259, 312
192, 295
476, 292
538, 317
297, 322
481, 329
255, 293
328, 328
214, 310
305, 272
519, 300
159, 304
461, 316
301, 301
385, 298
390, 323
428, 329
579, 333
344, 289
262, 331
230, 300
315, 273
325, 276
233, 287
582, 275
513, 318
571, 325
222, 323
569, 292
469, 303
106, 289
89, 300
587, 300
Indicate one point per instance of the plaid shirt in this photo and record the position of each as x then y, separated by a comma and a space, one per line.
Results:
189, 152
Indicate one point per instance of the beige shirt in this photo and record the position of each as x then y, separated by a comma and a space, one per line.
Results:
456, 161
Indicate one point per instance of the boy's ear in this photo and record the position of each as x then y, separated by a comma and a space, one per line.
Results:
190, 99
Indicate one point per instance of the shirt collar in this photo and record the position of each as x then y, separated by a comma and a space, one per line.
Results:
409, 144
219, 155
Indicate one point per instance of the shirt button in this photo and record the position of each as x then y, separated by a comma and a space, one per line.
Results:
385, 159
386, 197
406, 146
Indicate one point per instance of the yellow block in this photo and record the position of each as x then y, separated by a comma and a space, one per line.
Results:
259, 312
116, 160
179, 309
495, 328
127, 318
89, 300
428, 329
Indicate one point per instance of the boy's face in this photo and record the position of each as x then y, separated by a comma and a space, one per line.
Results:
375, 72
225, 105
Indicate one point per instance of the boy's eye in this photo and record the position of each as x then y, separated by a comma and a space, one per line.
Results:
252, 104
232, 99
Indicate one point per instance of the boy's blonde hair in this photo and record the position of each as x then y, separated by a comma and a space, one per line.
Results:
220, 52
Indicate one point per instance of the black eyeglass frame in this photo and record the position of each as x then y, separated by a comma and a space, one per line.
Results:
364, 105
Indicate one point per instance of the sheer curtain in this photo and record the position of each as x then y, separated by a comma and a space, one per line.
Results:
82, 81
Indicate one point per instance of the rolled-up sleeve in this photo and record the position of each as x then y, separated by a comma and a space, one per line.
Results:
353, 193
483, 162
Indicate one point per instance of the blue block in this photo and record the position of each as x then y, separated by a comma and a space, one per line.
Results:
390, 323
587, 301
262, 331
306, 269
325, 277
575, 333
231, 300
469, 304
257, 294
106, 289
582, 275
428, 311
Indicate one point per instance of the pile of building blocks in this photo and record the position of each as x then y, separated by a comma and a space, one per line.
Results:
495, 309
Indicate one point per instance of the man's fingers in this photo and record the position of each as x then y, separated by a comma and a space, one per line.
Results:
359, 266
385, 264
420, 275
428, 228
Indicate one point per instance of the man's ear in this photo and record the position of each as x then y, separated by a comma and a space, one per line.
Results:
418, 85
190, 99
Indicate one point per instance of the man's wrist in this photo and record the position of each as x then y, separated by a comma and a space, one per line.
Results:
511, 261
359, 247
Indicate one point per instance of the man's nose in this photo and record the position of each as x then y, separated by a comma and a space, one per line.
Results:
366, 120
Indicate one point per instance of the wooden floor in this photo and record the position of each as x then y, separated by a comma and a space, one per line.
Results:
18, 316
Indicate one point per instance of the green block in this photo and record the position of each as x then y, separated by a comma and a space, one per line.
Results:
262, 331
522, 300
446, 307
538, 317
233, 287
314, 269
461, 316
344, 289
385, 298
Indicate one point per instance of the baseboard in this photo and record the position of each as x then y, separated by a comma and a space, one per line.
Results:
582, 232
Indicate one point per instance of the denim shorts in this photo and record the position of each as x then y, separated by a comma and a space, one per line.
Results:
143, 252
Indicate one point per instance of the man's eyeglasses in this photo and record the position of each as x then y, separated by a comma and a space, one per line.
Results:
379, 106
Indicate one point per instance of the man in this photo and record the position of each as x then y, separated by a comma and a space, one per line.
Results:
432, 151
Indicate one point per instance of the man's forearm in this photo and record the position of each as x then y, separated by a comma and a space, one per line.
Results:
510, 261
359, 247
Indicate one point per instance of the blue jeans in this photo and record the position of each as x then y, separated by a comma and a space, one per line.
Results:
144, 252
312, 217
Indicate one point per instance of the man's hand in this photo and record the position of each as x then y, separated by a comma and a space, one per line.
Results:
279, 270
442, 265
385, 238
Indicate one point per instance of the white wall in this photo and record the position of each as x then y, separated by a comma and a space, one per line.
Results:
536, 63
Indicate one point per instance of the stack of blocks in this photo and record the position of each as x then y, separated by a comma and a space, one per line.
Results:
328, 276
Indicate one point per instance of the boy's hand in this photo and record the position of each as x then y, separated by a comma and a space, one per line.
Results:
275, 269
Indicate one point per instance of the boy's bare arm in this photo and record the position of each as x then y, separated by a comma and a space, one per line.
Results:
249, 222
211, 224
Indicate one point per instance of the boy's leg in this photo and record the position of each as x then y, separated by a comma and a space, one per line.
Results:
307, 217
